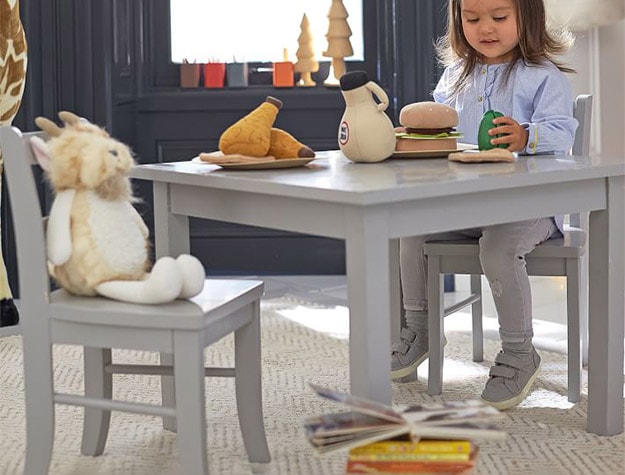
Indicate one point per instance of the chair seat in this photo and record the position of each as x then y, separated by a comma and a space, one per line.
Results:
569, 246
217, 299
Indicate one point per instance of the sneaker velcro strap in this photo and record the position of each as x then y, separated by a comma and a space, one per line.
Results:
402, 347
407, 335
509, 360
502, 371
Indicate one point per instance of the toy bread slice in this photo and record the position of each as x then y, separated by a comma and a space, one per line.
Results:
284, 145
251, 135
492, 155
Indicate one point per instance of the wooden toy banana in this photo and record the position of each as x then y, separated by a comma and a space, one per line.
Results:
251, 135
284, 145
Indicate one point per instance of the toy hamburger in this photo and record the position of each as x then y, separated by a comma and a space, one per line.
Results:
427, 126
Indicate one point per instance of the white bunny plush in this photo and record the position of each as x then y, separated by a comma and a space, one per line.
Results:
97, 243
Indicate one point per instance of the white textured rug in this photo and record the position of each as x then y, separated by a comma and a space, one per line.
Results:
546, 433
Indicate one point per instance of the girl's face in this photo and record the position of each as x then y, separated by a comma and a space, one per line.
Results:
490, 27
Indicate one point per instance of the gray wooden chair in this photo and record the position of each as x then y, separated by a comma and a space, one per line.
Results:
183, 328
561, 256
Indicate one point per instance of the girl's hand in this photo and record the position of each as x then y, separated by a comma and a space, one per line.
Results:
515, 135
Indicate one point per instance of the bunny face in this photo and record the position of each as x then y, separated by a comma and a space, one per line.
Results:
89, 161
82, 156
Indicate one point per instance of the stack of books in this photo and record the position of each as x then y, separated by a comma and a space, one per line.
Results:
436, 437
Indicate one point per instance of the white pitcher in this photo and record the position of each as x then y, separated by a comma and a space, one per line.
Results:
366, 133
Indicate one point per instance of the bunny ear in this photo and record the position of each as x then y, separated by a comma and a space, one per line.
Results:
48, 126
70, 118
41, 152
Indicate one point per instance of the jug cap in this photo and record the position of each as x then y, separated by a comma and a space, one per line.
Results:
353, 80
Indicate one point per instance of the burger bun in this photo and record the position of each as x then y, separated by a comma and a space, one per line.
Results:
427, 118
428, 115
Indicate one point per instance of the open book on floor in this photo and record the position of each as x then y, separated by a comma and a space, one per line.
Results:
369, 421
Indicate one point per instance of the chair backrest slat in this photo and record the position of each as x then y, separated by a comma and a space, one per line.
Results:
582, 111
19, 161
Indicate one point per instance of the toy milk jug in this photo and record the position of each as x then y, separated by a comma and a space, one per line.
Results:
366, 133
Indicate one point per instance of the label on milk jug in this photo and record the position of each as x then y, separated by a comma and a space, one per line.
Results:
344, 133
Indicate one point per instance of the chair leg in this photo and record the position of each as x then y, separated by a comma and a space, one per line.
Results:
574, 343
436, 312
476, 316
398, 313
247, 371
168, 396
38, 390
583, 330
190, 401
98, 384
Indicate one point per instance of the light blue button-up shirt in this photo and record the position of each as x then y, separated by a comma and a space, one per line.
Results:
538, 97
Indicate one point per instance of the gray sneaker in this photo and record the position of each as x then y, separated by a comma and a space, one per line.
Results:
511, 379
409, 353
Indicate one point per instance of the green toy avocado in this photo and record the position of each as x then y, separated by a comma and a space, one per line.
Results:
483, 139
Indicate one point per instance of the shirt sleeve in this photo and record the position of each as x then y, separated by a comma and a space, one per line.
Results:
552, 126
441, 92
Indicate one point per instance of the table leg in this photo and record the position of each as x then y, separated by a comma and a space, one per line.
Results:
171, 238
367, 264
606, 313
171, 231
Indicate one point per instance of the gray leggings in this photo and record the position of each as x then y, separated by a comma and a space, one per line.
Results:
502, 254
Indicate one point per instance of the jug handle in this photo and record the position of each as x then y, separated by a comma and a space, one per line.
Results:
379, 92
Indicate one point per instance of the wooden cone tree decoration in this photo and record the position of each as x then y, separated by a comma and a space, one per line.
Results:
339, 45
306, 62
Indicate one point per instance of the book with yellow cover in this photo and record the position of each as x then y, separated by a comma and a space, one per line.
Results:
447, 450
422, 446
416, 467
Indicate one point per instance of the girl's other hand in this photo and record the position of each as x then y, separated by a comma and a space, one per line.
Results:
515, 135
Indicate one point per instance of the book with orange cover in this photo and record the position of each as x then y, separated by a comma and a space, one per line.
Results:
409, 467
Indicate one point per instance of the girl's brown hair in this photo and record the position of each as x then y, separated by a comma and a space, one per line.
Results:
536, 42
